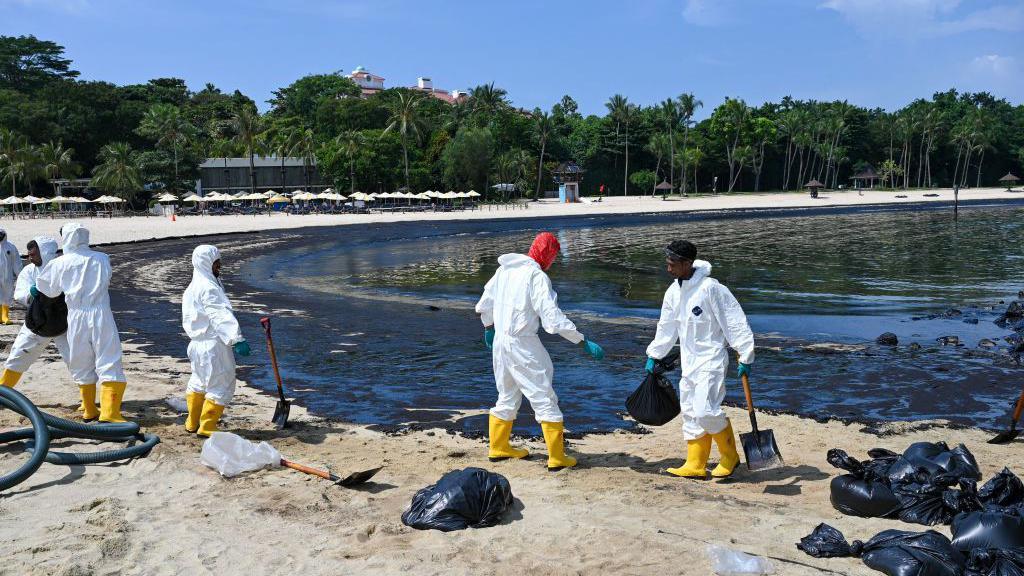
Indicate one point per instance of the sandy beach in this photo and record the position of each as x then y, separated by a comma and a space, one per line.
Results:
111, 230
616, 513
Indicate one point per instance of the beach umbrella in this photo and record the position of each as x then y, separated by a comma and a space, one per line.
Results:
165, 197
304, 196
30, 198
328, 191
13, 200
194, 198
1010, 180
472, 194
279, 199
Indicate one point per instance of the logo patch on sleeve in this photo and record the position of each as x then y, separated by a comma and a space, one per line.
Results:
697, 311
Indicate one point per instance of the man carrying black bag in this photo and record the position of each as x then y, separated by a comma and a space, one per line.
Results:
705, 319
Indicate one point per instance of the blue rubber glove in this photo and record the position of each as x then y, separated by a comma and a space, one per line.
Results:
34, 291
595, 351
649, 367
242, 348
744, 370
489, 337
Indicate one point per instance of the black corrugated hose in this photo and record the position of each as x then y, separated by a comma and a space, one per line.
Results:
46, 427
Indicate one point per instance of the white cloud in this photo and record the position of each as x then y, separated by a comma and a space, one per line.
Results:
925, 18
994, 65
68, 6
707, 12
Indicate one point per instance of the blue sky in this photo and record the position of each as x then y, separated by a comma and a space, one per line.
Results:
871, 52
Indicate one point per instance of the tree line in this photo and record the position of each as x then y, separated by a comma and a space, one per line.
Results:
134, 140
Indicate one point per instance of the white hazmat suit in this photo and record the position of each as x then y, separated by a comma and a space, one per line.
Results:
517, 301
208, 320
28, 345
94, 346
705, 318
10, 266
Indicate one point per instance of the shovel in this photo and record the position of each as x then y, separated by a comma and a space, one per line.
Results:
758, 445
1007, 436
280, 418
353, 479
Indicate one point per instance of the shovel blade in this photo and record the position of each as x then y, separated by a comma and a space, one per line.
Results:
1005, 437
280, 418
761, 451
356, 478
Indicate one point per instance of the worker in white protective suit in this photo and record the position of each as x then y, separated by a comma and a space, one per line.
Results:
94, 346
704, 318
10, 266
208, 320
28, 345
515, 303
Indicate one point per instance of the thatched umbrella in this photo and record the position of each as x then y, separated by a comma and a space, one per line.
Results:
664, 188
1010, 180
814, 186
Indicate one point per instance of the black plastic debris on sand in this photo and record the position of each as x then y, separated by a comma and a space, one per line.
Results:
470, 498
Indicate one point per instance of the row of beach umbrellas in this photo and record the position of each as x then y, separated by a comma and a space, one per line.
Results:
271, 197
15, 200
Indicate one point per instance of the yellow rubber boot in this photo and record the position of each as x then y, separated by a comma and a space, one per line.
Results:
554, 437
111, 394
696, 466
5, 314
194, 401
88, 407
10, 378
726, 442
500, 431
208, 420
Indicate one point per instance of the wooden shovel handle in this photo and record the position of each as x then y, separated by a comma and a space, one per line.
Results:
308, 470
746, 392
1019, 408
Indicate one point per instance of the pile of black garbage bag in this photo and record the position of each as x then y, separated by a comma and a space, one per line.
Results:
470, 498
655, 402
928, 484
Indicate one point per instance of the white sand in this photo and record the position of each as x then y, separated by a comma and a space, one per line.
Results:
107, 230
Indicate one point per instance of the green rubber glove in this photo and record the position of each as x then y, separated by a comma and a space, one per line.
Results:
649, 367
743, 370
242, 348
34, 291
489, 337
592, 348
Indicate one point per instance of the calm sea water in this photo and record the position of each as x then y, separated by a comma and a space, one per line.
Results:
397, 341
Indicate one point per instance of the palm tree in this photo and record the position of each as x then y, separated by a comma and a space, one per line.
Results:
660, 147
405, 119
57, 161
168, 127
350, 142
688, 105
457, 117
512, 167
485, 100
621, 111
305, 148
248, 128
282, 140
669, 112
542, 127
118, 171
11, 145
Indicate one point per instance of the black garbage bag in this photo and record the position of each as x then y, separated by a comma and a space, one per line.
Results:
865, 490
655, 401
473, 498
892, 552
1004, 489
932, 500
935, 458
987, 529
47, 316
1006, 562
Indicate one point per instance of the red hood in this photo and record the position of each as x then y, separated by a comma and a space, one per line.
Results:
545, 249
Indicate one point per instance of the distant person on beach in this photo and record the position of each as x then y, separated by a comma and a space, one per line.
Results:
211, 325
28, 345
10, 266
94, 346
704, 318
516, 302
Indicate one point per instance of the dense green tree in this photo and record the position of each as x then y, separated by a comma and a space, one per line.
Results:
467, 159
248, 128
169, 128
27, 63
118, 172
58, 162
305, 96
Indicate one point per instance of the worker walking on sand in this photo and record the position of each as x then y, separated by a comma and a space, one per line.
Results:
515, 303
28, 345
10, 267
94, 346
704, 318
208, 320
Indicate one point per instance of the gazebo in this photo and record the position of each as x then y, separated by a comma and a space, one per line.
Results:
814, 186
1010, 180
568, 176
868, 174
665, 188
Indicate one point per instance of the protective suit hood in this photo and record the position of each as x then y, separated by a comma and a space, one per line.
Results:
3, 234
74, 236
514, 260
203, 258
47, 248
701, 270
545, 249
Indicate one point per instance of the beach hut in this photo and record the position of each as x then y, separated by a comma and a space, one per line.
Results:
664, 188
814, 186
868, 175
1010, 180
